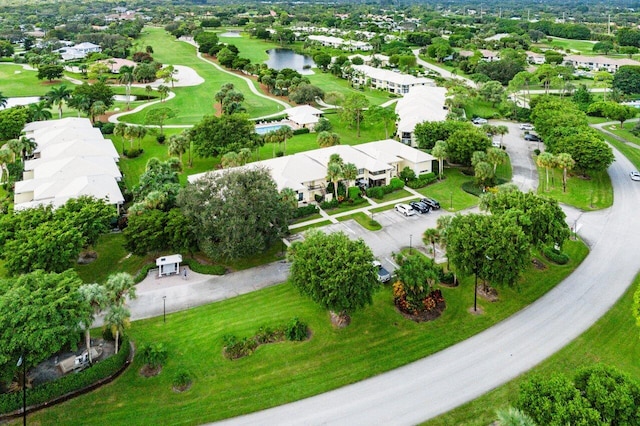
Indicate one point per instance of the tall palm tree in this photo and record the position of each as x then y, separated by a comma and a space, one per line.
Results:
58, 96
127, 78
121, 131
80, 103
502, 130
496, 156
334, 171
546, 160
349, 173
39, 111
431, 236
97, 108
565, 162
285, 133
164, 92
119, 286
117, 319
96, 296
178, 145
141, 132
440, 152
23, 147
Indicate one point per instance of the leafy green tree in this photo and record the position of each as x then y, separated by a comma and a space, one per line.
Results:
541, 218
484, 174
158, 116
463, 143
378, 114
58, 96
40, 314
428, 133
627, 79
492, 91
334, 271
159, 176
179, 144
154, 355
91, 93
212, 204
322, 60
216, 135
90, 215
305, 93
50, 72
603, 47
621, 113
352, 110
12, 121
407, 174
587, 148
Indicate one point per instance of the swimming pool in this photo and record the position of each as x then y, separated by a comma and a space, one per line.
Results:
264, 129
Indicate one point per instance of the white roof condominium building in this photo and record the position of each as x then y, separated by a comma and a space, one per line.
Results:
391, 81
422, 103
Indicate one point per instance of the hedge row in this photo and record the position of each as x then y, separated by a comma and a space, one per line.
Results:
71, 382
301, 131
422, 181
380, 191
556, 256
305, 211
196, 266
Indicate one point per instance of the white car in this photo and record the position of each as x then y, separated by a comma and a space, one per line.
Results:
634, 175
405, 209
496, 143
526, 126
479, 121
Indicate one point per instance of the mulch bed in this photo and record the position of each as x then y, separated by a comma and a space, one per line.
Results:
180, 389
538, 264
148, 371
426, 315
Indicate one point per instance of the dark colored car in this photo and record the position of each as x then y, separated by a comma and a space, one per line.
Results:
433, 204
532, 138
420, 207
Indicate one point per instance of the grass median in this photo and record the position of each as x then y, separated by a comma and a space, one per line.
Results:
378, 340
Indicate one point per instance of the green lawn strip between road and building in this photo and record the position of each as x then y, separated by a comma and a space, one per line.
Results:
612, 340
594, 193
378, 340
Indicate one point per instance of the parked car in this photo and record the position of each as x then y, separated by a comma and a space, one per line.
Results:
420, 206
405, 209
526, 126
383, 274
634, 175
531, 137
496, 143
479, 120
433, 204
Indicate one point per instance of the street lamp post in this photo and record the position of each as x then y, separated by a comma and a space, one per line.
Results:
22, 361
164, 309
475, 289
410, 243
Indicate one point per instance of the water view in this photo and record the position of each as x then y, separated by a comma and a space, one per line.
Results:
287, 58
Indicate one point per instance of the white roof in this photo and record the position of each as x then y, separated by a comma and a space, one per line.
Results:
167, 260
601, 60
45, 137
68, 122
392, 76
79, 147
389, 148
349, 154
86, 45
422, 103
64, 168
304, 114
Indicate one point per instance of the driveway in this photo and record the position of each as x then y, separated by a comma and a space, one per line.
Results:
525, 174
436, 384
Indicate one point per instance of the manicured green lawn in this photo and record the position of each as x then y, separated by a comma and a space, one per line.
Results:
629, 151
613, 340
314, 225
330, 83
364, 220
476, 107
585, 47
449, 191
625, 132
587, 194
395, 195
378, 340
192, 103
251, 48
18, 82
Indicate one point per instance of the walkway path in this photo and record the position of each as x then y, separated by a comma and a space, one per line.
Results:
461, 373
443, 72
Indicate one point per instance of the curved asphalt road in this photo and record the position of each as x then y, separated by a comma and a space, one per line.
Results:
461, 373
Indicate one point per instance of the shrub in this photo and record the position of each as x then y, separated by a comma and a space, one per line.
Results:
66, 384
325, 205
323, 125
536, 151
375, 192
154, 354
181, 380
279, 153
296, 330
355, 193
422, 181
107, 128
196, 266
555, 255
301, 131
319, 198
132, 153
305, 211
161, 139
396, 183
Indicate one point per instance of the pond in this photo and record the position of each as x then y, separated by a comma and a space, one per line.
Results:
287, 58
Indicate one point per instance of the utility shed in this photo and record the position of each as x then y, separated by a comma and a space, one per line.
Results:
169, 265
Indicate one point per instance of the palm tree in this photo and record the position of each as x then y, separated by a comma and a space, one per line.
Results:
119, 286
326, 139
290, 197
178, 145
117, 319
121, 131
546, 160
23, 147
513, 417
285, 133
127, 78
58, 95
97, 108
431, 236
334, 171
565, 162
39, 111
164, 91
502, 130
148, 89
440, 152
6, 156
96, 296
349, 173
496, 156
81, 103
